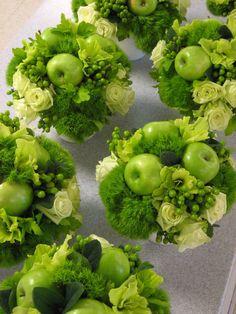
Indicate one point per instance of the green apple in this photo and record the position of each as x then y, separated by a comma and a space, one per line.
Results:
105, 43
142, 7
15, 198
192, 62
33, 279
154, 131
142, 174
52, 38
65, 68
201, 161
114, 265
89, 306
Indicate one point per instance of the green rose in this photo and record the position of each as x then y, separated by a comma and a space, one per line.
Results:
21, 83
158, 54
167, 216
105, 166
216, 212
38, 99
206, 91
24, 111
105, 28
231, 23
230, 92
191, 235
119, 98
218, 115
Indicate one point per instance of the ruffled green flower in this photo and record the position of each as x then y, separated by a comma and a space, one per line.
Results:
206, 91
218, 115
185, 178
191, 235
148, 282
105, 166
230, 92
167, 216
216, 212
231, 23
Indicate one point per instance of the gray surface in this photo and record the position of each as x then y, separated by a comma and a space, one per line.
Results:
199, 281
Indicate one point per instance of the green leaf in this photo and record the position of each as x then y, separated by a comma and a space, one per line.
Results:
225, 32
231, 126
93, 251
48, 300
4, 301
122, 31
74, 291
210, 231
86, 29
145, 265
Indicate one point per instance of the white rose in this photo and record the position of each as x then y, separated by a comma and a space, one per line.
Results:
158, 54
39, 99
104, 242
218, 115
62, 207
216, 212
206, 91
191, 235
105, 28
167, 216
119, 98
121, 74
21, 83
230, 92
88, 14
23, 111
105, 166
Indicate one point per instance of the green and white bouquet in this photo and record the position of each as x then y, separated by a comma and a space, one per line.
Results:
70, 78
221, 7
39, 194
145, 20
90, 276
196, 73
171, 179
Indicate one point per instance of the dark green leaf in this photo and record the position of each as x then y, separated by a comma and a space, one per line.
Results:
225, 32
169, 158
12, 299
4, 301
210, 231
209, 73
48, 300
170, 34
145, 265
231, 126
93, 251
85, 29
74, 291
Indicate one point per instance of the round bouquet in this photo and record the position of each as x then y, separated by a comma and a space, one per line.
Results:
170, 179
221, 7
92, 276
71, 78
145, 20
196, 73
39, 195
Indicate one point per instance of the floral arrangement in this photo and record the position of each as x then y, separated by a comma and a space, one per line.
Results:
91, 276
195, 70
146, 21
70, 78
39, 195
221, 7
171, 179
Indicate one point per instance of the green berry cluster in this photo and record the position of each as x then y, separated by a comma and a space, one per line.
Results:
35, 70
13, 124
116, 136
221, 74
46, 122
174, 45
117, 8
98, 74
132, 253
48, 184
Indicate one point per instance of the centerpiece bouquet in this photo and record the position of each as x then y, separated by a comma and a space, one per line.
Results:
90, 276
221, 7
196, 73
146, 21
70, 78
39, 195
171, 180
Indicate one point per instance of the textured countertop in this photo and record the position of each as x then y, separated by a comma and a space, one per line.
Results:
199, 281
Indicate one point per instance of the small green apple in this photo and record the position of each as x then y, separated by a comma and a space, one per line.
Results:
201, 161
15, 198
64, 68
192, 62
154, 131
114, 265
52, 38
142, 7
105, 43
89, 306
142, 174
33, 279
